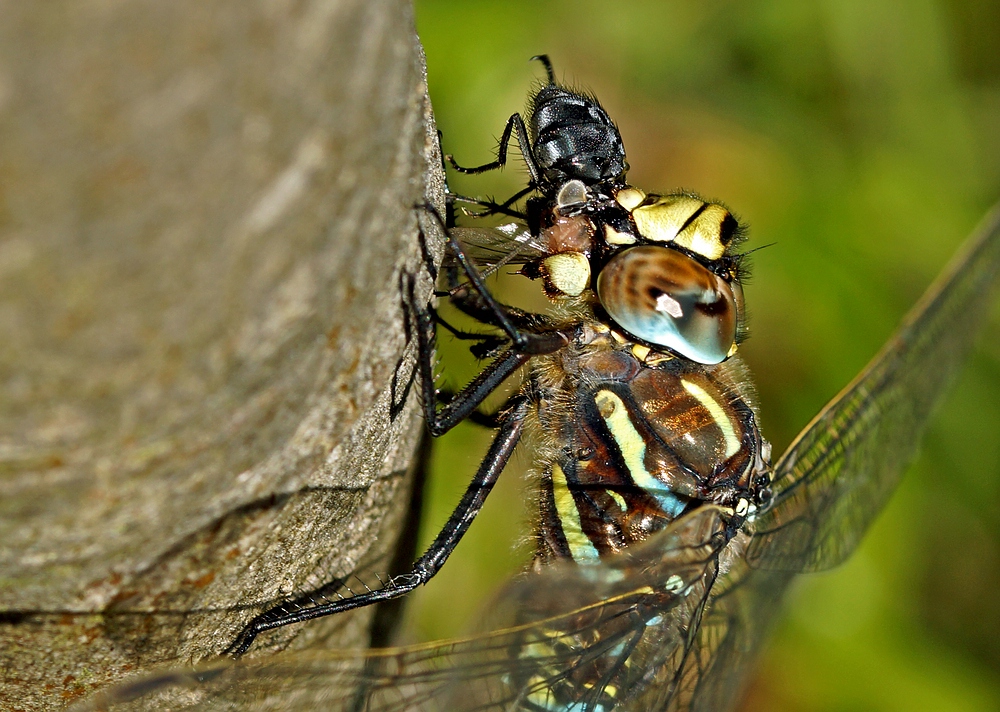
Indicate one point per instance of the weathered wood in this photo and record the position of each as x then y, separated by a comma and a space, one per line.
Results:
205, 209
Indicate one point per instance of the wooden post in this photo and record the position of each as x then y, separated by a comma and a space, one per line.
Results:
205, 210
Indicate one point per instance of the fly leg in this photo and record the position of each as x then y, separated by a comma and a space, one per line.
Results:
495, 208
514, 124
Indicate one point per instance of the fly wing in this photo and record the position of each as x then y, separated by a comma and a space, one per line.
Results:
578, 637
491, 247
842, 468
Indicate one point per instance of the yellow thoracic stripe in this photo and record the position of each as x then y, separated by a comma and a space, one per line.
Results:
633, 450
619, 499
718, 415
580, 546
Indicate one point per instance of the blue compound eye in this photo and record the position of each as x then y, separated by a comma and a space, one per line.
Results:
665, 298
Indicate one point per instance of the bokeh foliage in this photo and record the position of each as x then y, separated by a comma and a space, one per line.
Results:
862, 138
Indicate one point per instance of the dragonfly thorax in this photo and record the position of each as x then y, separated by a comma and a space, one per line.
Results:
639, 446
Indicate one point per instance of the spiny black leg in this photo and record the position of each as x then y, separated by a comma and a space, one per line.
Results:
427, 565
507, 437
458, 333
479, 417
494, 208
524, 342
469, 398
488, 344
469, 302
516, 124
388, 614
473, 394
464, 403
514, 198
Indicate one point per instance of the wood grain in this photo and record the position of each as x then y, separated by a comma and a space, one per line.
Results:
205, 209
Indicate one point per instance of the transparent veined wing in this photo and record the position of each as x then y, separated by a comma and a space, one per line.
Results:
598, 637
508, 243
742, 608
838, 473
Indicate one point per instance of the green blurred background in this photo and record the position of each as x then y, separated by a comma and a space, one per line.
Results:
863, 139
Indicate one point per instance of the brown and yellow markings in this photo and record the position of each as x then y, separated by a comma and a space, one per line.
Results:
704, 228
654, 406
719, 415
567, 273
619, 500
632, 447
657, 358
650, 357
640, 352
580, 546
620, 337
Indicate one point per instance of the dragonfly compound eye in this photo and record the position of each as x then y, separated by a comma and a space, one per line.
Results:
665, 298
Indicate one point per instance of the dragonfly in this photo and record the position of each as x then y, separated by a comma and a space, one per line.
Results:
653, 591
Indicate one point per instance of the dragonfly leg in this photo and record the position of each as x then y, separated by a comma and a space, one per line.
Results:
470, 302
467, 400
511, 426
485, 419
525, 342
488, 344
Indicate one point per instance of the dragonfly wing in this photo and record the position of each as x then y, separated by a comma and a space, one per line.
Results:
740, 614
842, 468
591, 636
648, 607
